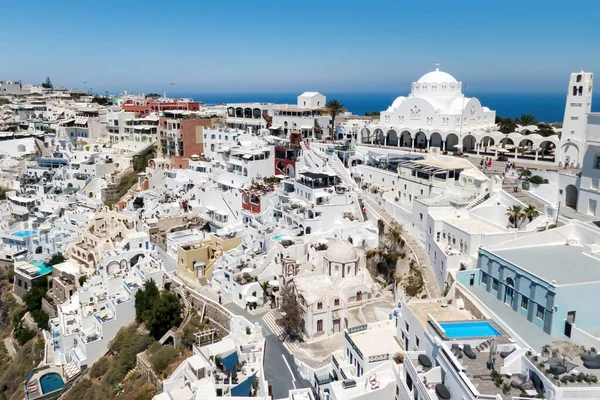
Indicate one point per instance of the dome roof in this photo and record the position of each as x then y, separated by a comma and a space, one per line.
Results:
341, 251
399, 100
437, 76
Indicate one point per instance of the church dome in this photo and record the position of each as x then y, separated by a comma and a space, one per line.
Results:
437, 76
341, 251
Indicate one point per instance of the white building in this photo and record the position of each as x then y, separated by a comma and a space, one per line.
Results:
10, 88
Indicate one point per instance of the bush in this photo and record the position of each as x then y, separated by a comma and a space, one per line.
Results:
399, 358
41, 318
23, 334
536, 180
162, 356
82, 280
100, 368
56, 258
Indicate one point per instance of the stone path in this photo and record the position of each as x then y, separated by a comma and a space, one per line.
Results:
431, 285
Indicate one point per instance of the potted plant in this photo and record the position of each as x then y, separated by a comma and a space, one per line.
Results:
399, 358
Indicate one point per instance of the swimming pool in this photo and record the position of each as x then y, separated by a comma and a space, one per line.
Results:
24, 233
50, 382
43, 267
280, 238
469, 329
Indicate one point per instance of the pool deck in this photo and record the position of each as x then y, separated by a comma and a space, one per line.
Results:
35, 377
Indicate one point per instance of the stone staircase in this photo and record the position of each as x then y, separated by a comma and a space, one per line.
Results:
483, 346
523, 196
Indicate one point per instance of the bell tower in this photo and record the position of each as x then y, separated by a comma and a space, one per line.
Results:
578, 105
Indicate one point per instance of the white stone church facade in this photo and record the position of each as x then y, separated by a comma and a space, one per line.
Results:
437, 114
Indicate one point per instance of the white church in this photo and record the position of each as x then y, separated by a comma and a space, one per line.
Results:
437, 114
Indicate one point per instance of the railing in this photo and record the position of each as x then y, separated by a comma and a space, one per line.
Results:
335, 362
323, 381
358, 328
379, 357
356, 349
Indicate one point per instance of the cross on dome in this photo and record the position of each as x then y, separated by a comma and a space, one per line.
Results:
437, 66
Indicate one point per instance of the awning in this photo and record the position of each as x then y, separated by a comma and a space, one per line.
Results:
224, 148
307, 127
275, 127
210, 208
230, 361
248, 156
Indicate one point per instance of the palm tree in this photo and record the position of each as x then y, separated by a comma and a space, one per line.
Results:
526, 119
514, 214
381, 226
334, 107
531, 212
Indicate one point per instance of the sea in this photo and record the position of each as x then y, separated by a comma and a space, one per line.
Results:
545, 107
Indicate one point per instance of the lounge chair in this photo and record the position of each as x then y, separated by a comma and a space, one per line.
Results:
424, 361
469, 352
589, 357
505, 354
442, 392
594, 364
560, 369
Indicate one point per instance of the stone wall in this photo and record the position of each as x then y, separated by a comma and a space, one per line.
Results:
217, 315
469, 305
145, 369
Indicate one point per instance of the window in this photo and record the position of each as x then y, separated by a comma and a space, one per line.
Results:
595, 184
320, 325
416, 341
495, 284
359, 296
524, 303
407, 326
597, 162
336, 302
540, 312
421, 216
319, 306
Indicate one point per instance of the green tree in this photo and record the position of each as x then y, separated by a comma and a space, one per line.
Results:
152, 96
145, 299
82, 280
531, 212
33, 298
507, 125
56, 258
41, 318
526, 119
515, 214
165, 314
162, 356
23, 334
100, 100
48, 84
334, 107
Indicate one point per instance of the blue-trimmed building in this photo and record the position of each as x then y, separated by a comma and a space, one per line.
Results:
550, 280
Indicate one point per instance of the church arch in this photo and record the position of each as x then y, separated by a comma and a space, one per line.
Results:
469, 144
379, 136
571, 195
392, 138
451, 142
365, 135
420, 140
406, 139
435, 140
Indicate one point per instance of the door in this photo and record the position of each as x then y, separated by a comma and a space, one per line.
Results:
569, 323
336, 325
472, 280
509, 295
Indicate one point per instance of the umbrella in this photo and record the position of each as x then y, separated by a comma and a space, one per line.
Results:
247, 270
251, 299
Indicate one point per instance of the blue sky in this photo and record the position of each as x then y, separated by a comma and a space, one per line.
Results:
279, 46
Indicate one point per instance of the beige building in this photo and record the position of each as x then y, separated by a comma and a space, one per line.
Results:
196, 261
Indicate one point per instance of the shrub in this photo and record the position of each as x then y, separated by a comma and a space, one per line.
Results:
248, 330
41, 318
82, 280
162, 356
536, 180
100, 367
399, 358
23, 334
56, 258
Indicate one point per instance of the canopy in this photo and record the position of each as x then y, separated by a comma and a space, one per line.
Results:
230, 361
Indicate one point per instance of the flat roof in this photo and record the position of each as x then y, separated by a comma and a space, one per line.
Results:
377, 341
422, 308
471, 225
567, 265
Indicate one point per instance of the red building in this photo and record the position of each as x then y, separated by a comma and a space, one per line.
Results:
286, 156
147, 106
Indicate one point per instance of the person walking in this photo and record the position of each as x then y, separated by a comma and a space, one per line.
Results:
490, 162
481, 163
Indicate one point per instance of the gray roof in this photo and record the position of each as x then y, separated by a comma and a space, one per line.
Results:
567, 265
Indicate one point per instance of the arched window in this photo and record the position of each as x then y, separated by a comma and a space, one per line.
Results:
319, 306
580, 90
578, 78
320, 325
212, 147
336, 302
359, 296
574, 90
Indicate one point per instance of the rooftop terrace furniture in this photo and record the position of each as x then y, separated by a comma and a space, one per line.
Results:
424, 361
560, 369
469, 352
505, 354
442, 391
589, 357
594, 364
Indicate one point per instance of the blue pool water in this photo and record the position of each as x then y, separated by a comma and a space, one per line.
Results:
24, 233
279, 238
459, 330
43, 267
51, 382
